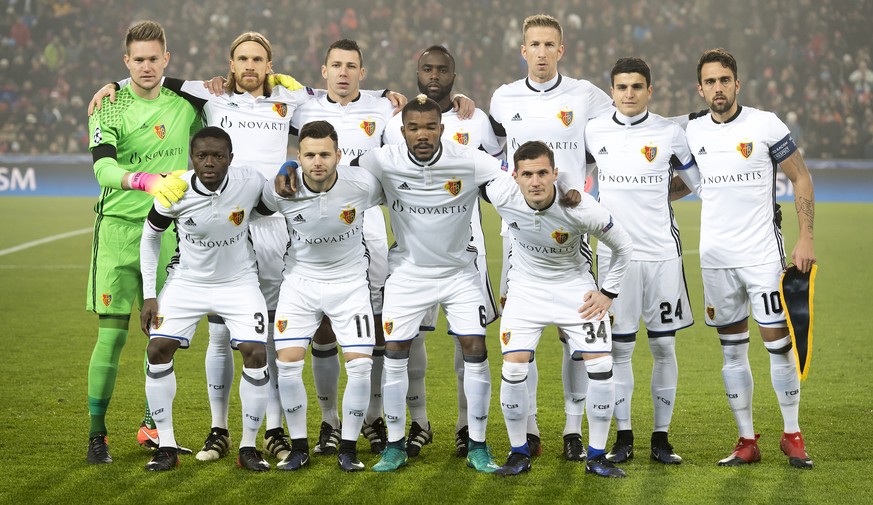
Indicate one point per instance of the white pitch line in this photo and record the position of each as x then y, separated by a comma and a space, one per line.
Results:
34, 243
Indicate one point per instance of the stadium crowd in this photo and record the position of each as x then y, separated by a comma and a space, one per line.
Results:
808, 61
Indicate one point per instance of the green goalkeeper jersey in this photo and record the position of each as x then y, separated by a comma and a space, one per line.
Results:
138, 135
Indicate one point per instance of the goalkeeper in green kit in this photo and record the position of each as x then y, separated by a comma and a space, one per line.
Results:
137, 143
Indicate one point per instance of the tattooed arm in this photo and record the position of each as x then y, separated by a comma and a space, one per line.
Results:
795, 168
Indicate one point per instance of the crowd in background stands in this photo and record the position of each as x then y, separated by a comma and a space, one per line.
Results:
809, 61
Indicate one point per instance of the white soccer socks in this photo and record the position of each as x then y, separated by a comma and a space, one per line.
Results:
253, 388
219, 372
623, 373
326, 372
160, 386
274, 403
395, 385
374, 409
356, 396
459, 373
514, 401
477, 388
738, 384
575, 379
293, 396
786, 383
665, 377
600, 402
416, 395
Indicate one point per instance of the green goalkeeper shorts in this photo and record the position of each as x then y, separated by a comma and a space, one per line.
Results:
114, 279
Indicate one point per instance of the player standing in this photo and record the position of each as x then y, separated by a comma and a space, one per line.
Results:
214, 271
550, 282
637, 154
144, 133
552, 108
741, 250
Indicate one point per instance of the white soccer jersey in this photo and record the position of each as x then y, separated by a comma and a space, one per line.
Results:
475, 132
556, 116
326, 228
212, 230
737, 161
359, 124
547, 244
635, 163
430, 204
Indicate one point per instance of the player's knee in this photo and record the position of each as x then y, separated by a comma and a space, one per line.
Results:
514, 373
160, 350
359, 368
254, 354
392, 352
599, 369
623, 347
476, 357
663, 346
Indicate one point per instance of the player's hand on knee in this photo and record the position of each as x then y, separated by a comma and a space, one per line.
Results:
148, 314
166, 188
97, 99
463, 105
285, 183
595, 305
215, 85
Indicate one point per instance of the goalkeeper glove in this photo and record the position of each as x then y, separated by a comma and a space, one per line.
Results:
166, 188
286, 81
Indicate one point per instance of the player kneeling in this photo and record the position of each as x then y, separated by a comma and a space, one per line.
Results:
550, 283
213, 272
325, 275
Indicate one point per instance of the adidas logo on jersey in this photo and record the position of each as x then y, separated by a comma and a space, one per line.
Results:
513, 225
701, 151
298, 219
190, 222
516, 117
404, 187
602, 150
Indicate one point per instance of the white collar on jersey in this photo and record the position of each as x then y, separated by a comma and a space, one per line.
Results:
621, 119
429, 163
542, 87
198, 187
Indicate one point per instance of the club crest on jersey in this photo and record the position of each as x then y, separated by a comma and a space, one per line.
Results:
566, 117
745, 148
281, 325
710, 311
161, 131
236, 217
560, 236
159, 320
348, 216
388, 326
281, 109
462, 138
505, 336
650, 152
107, 299
453, 186
369, 127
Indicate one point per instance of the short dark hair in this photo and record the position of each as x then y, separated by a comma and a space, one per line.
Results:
631, 65
436, 48
421, 103
532, 150
719, 55
319, 130
145, 31
212, 132
345, 45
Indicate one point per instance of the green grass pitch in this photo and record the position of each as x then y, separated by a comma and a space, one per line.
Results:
47, 339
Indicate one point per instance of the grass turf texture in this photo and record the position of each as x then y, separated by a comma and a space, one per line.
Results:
47, 340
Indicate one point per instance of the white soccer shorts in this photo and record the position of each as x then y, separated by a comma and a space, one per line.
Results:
182, 303
531, 306
656, 291
304, 302
727, 293
376, 240
407, 301
270, 240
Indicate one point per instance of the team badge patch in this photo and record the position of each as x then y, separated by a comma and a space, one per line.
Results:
560, 236
453, 186
650, 152
107, 299
388, 326
462, 138
98, 136
710, 311
369, 127
566, 117
159, 320
281, 325
745, 148
236, 217
505, 336
161, 131
348, 216
281, 109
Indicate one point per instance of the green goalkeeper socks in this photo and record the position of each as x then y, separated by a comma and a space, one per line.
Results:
103, 370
